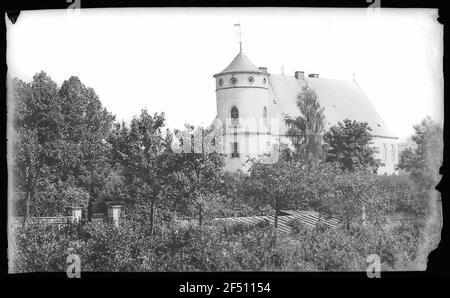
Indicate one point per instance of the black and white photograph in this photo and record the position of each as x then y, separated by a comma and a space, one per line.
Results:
259, 139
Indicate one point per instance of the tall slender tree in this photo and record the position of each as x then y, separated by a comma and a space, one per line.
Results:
85, 125
35, 131
305, 130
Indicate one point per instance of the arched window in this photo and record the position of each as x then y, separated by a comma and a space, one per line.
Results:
234, 115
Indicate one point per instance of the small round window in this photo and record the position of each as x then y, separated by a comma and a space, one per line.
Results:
220, 82
233, 80
251, 80
264, 81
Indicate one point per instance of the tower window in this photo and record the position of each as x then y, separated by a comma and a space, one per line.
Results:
264, 81
234, 115
234, 149
251, 79
265, 115
220, 82
233, 80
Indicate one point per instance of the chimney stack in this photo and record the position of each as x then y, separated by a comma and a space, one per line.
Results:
314, 75
299, 75
263, 69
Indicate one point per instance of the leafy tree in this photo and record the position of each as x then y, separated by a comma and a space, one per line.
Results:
424, 162
275, 184
59, 144
344, 194
404, 192
35, 130
358, 195
84, 125
147, 161
200, 168
349, 145
305, 131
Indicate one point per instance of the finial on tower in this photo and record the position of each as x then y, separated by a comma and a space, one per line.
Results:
240, 36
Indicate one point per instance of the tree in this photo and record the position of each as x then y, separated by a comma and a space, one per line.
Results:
275, 184
200, 167
305, 131
84, 125
59, 145
147, 161
349, 145
424, 162
358, 195
35, 125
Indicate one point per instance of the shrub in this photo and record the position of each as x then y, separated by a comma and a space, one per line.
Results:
41, 248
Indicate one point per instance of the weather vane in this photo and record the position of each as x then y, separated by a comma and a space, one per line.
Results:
240, 36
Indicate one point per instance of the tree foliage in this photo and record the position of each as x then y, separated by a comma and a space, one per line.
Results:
145, 155
424, 162
423, 165
200, 172
305, 131
349, 144
58, 144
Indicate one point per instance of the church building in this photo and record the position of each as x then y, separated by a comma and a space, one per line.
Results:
252, 104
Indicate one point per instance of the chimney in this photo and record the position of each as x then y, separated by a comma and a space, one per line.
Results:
314, 75
299, 75
263, 69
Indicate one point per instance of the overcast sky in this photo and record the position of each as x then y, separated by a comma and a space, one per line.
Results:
164, 59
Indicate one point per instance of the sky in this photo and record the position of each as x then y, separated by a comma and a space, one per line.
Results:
164, 59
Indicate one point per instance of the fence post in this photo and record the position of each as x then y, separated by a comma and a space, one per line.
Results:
76, 214
114, 214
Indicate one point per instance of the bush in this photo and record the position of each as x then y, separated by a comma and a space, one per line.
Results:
222, 247
41, 248
107, 248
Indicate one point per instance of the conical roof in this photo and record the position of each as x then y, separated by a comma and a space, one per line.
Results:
240, 64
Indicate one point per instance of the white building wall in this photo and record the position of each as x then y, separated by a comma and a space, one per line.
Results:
388, 154
256, 136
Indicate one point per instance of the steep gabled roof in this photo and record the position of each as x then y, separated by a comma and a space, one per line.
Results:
240, 64
341, 99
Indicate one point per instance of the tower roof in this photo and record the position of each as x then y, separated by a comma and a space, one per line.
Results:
240, 64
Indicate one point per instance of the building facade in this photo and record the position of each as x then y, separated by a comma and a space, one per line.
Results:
252, 105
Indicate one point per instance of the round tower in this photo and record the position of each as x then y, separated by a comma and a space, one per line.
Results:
242, 97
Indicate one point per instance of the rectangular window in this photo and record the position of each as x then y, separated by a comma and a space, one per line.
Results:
234, 149
393, 153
